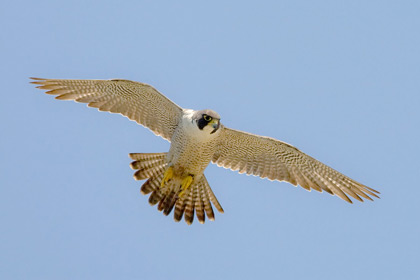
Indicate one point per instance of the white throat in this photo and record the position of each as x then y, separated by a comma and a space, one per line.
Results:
191, 128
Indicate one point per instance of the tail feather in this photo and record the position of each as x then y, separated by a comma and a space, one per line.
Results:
147, 165
207, 203
199, 204
149, 171
169, 203
160, 205
152, 184
212, 196
179, 209
147, 156
137, 164
189, 209
197, 199
156, 197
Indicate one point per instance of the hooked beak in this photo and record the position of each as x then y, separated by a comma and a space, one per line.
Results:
215, 123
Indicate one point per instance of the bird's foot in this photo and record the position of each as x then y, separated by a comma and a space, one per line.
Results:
186, 183
169, 174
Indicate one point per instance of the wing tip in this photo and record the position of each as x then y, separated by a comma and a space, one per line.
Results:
37, 81
373, 190
348, 200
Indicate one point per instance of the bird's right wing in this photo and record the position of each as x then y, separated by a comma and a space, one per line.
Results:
276, 160
137, 101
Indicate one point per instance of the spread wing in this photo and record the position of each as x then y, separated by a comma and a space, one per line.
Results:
270, 158
137, 101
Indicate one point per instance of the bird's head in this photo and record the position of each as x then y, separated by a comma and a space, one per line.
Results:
207, 120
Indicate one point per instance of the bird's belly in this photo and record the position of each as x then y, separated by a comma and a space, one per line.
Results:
190, 157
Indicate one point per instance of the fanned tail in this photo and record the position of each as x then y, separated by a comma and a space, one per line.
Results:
197, 198
150, 165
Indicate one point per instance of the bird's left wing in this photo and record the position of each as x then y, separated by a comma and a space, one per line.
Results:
276, 160
137, 101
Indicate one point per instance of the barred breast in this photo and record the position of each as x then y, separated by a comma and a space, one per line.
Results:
191, 149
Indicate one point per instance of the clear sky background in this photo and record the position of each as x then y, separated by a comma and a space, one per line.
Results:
340, 80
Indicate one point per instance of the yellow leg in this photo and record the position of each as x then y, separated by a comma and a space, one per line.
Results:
186, 183
169, 174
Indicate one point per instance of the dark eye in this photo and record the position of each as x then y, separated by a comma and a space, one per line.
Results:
207, 118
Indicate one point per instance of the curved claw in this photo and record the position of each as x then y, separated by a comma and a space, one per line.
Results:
169, 174
186, 183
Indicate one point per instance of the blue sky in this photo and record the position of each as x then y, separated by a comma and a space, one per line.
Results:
337, 79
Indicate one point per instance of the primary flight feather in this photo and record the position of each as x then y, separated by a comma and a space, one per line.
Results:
176, 179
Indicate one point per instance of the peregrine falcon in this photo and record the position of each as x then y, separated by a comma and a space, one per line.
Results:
176, 179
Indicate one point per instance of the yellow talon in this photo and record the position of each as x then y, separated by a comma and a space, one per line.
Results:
186, 183
169, 174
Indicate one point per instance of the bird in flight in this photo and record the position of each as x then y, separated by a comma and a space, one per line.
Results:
175, 179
